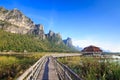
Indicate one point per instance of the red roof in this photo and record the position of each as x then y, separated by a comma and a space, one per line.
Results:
91, 49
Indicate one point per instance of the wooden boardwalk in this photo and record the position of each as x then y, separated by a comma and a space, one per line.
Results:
48, 68
48, 71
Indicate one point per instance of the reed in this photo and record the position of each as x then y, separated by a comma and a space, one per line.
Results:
91, 68
13, 65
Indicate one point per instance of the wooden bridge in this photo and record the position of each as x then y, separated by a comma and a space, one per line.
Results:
48, 68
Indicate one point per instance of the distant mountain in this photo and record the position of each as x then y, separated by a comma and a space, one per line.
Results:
68, 42
78, 48
106, 50
14, 21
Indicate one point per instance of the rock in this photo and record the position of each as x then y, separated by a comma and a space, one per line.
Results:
54, 37
19, 22
51, 34
68, 42
59, 38
39, 31
58, 35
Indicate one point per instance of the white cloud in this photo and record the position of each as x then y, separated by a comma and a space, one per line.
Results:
102, 44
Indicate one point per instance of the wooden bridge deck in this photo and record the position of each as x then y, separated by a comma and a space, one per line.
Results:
48, 71
48, 68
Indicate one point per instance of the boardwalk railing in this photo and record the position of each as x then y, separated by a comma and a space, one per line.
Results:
64, 72
33, 71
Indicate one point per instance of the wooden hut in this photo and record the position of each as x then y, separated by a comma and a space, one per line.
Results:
92, 50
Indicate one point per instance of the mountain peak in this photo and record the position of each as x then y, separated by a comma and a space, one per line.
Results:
69, 39
68, 42
39, 26
18, 22
15, 10
51, 33
2, 8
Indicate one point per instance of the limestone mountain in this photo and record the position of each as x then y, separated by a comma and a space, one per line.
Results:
19, 23
14, 21
68, 42
54, 37
39, 31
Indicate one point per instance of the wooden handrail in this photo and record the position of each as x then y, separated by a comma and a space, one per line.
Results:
64, 72
31, 72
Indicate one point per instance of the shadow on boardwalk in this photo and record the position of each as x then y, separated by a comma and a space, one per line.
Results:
46, 71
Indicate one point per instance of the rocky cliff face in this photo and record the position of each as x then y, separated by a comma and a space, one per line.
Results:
15, 22
19, 22
39, 31
55, 37
68, 42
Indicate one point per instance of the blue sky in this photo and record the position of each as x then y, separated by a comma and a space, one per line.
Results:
87, 22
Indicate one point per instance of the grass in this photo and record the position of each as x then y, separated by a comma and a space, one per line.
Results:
91, 68
13, 65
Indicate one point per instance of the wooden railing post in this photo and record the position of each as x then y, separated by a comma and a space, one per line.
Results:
31, 74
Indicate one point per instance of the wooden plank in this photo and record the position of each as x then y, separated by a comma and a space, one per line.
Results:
48, 71
45, 69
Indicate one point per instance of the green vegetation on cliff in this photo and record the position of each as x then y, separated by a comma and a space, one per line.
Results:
19, 43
